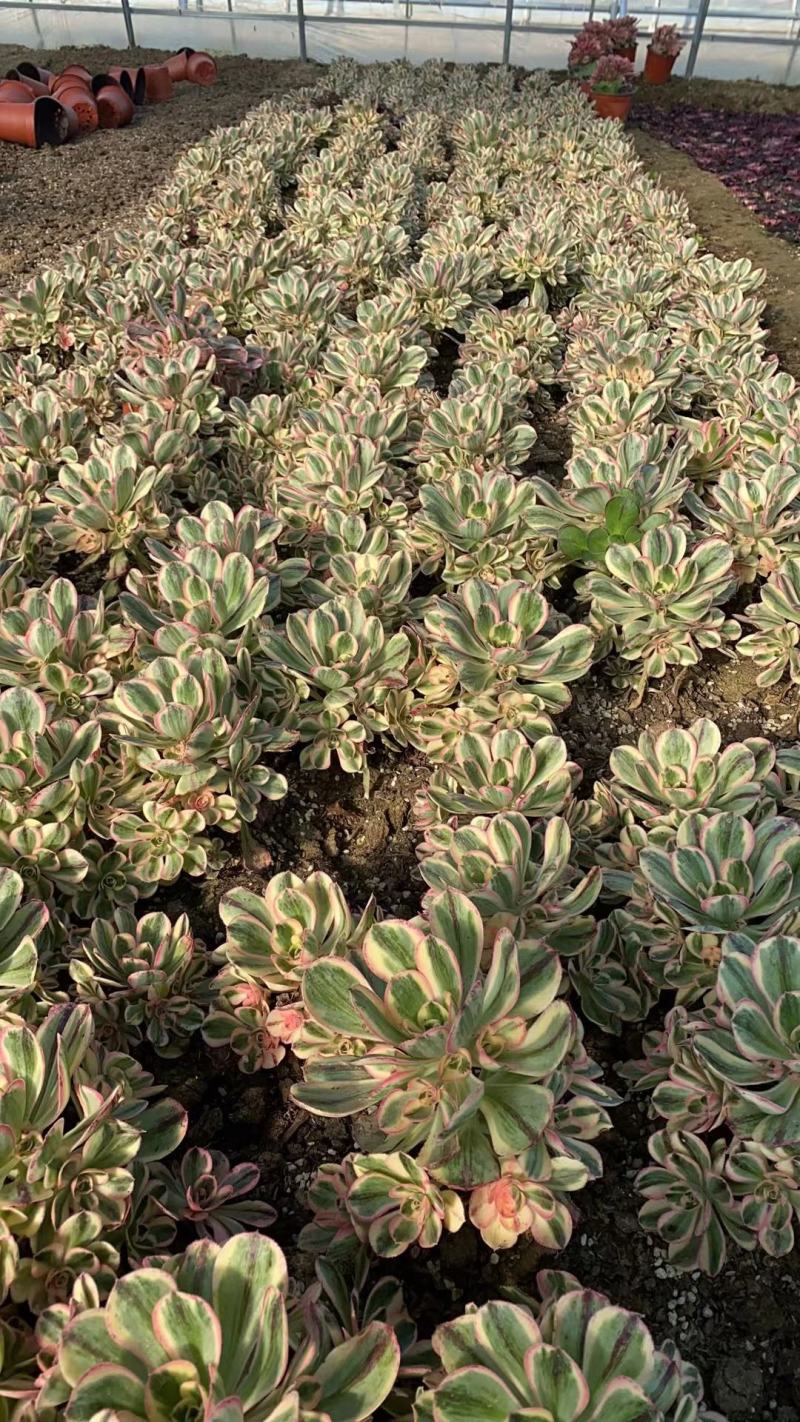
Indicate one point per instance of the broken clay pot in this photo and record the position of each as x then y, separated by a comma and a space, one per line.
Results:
43, 121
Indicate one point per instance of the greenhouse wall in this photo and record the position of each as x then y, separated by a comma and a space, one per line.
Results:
737, 41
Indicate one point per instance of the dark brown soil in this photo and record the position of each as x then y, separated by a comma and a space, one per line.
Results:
55, 198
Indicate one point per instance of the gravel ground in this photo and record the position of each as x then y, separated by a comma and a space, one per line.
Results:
55, 197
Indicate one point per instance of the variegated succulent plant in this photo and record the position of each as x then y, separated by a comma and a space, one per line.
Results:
575, 1355
270, 477
209, 1336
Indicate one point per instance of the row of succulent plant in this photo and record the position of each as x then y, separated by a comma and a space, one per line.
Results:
270, 483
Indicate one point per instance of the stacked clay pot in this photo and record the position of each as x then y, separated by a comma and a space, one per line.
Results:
75, 93
133, 81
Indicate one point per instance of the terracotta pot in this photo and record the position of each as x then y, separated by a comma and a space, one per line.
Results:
201, 68
43, 121
37, 89
133, 82
79, 71
629, 53
658, 67
70, 84
613, 106
114, 106
176, 64
80, 99
13, 91
35, 71
158, 82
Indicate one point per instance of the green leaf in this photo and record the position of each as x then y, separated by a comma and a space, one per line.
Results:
622, 515
476, 1395
573, 543
358, 1375
327, 989
558, 1383
187, 1328
597, 545
106, 1386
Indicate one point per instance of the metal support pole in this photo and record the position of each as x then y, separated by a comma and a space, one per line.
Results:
509, 20
128, 18
301, 30
697, 35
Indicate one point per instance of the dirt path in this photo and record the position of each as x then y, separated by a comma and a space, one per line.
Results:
729, 230
56, 196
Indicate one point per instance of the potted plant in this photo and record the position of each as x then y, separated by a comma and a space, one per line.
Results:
612, 87
624, 33
586, 49
664, 47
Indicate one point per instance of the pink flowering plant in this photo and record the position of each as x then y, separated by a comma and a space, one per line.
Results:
666, 40
598, 38
624, 32
613, 75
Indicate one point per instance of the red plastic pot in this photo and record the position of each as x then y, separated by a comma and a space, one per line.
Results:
80, 99
628, 53
133, 82
158, 81
114, 106
658, 67
13, 91
70, 86
35, 71
43, 121
78, 71
176, 64
612, 106
201, 68
585, 86
37, 89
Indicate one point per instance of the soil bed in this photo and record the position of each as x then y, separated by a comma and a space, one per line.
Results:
741, 1329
